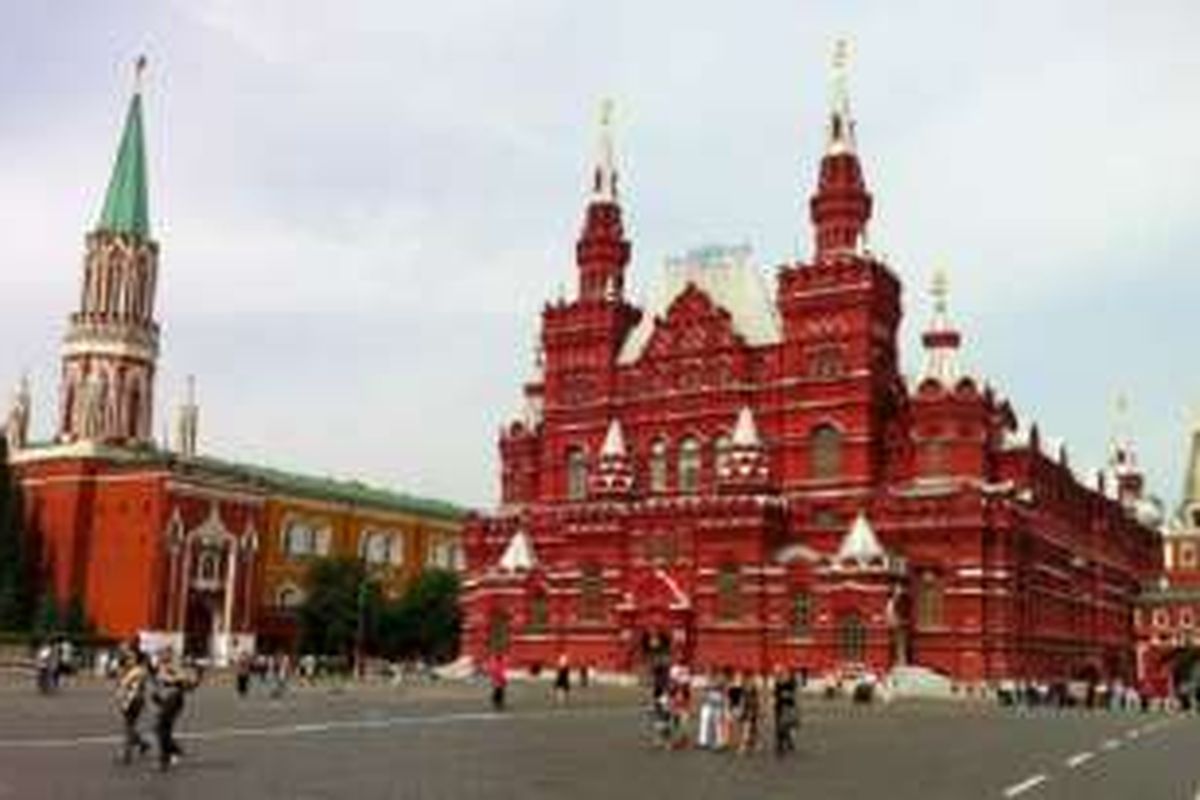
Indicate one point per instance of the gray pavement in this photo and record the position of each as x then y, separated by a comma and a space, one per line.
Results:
442, 742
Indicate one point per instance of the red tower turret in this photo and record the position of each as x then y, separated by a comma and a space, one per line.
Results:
602, 250
841, 205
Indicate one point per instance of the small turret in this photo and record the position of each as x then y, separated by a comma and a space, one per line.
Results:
187, 422
743, 466
841, 206
16, 427
602, 251
613, 476
941, 340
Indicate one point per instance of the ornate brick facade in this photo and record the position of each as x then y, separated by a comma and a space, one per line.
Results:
746, 476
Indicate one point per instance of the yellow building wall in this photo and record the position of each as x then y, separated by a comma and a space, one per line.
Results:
424, 537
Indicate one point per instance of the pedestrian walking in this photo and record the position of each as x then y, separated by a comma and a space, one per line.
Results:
712, 710
680, 698
562, 680
751, 714
170, 687
735, 692
243, 674
131, 700
787, 717
499, 681
281, 668
46, 668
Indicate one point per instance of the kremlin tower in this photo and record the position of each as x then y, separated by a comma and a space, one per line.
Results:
111, 347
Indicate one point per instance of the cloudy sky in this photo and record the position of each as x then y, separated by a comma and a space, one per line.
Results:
362, 205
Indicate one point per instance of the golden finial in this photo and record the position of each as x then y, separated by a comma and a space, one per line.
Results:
841, 128
606, 112
139, 72
940, 289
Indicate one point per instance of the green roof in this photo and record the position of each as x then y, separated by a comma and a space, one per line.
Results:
324, 488
276, 481
126, 207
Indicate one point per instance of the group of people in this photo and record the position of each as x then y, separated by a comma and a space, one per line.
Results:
55, 659
1114, 696
165, 685
732, 709
273, 671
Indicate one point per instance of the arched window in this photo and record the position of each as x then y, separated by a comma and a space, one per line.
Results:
825, 455
576, 474
299, 539
933, 458
929, 601
289, 597
379, 547
689, 465
135, 412
801, 614
729, 601
539, 613
208, 567
658, 466
852, 638
722, 452
591, 593
498, 632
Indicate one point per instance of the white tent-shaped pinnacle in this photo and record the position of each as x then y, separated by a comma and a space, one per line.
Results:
745, 432
614, 441
518, 554
860, 542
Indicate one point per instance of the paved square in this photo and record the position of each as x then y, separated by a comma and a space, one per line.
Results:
443, 742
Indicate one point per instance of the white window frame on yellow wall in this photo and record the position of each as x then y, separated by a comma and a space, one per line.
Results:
313, 537
381, 546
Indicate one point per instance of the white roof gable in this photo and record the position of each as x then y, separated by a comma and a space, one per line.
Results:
860, 542
518, 555
729, 279
745, 433
614, 440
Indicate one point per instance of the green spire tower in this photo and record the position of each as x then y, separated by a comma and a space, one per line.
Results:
111, 347
126, 207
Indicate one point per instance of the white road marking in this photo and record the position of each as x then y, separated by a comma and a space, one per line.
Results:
314, 727
1111, 744
1025, 785
1080, 758
1132, 733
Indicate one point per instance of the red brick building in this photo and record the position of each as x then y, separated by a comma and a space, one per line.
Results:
161, 542
1168, 613
741, 475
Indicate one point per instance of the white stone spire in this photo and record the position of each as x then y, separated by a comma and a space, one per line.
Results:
941, 340
187, 421
518, 555
614, 441
860, 543
841, 123
16, 427
604, 180
745, 432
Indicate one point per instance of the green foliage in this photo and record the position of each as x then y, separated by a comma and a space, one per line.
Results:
340, 605
344, 607
16, 586
47, 618
75, 620
425, 621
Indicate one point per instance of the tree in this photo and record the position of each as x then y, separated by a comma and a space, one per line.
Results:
16, 588
75, 619
341, 604
425, 621
47, 617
